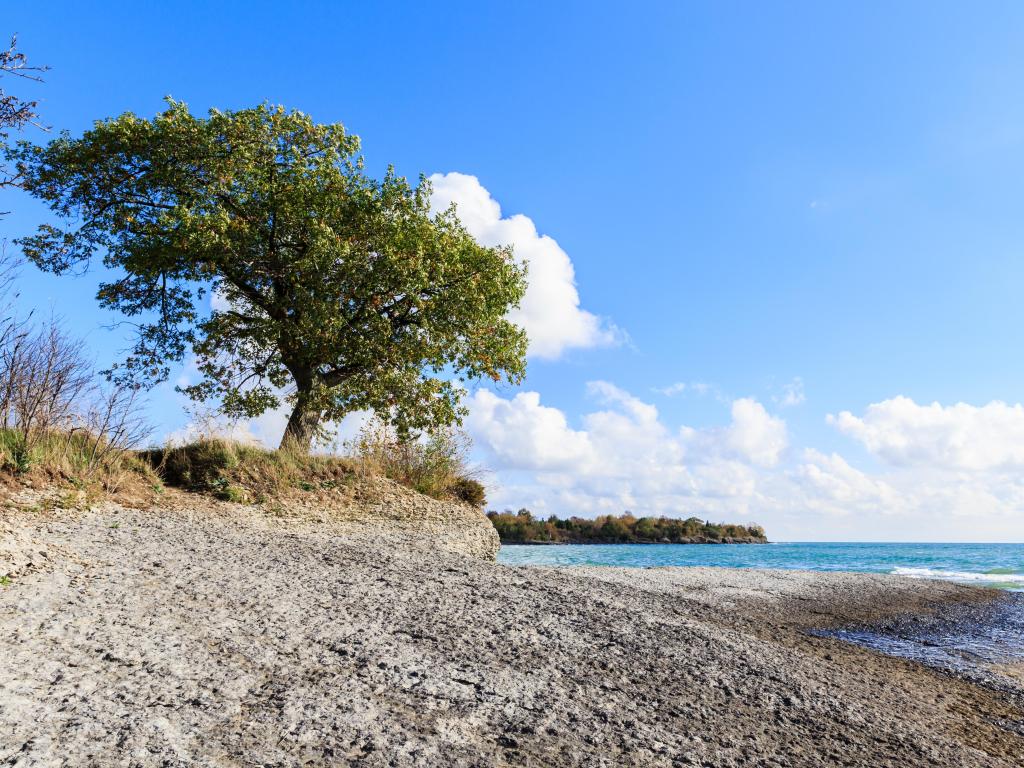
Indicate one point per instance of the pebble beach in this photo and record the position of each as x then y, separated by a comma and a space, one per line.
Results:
176, 638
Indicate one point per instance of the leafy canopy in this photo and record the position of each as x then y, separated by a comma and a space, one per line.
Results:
344, 291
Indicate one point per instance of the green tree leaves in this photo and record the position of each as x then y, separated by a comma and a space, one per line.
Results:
345, 291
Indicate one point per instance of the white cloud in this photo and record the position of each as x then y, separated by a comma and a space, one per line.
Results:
828, 483
679, 387
958, 437
622, 455
523, 434
792, 393
672, 389
607, 393
550, 311
238, 431
754, 434
954, 469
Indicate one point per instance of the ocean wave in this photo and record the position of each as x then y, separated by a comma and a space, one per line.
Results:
1001, 577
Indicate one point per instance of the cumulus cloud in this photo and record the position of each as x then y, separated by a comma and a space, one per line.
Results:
623, 456
958, 437
523, 434
550, 311
642, 413
755, 435
828, 483
927, 478
955, 469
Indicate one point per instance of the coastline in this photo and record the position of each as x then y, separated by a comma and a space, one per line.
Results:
198, 636
985, 565
629, 543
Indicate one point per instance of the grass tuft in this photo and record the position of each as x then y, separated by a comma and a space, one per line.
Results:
233, 471
74, 458
244, 473
436, 465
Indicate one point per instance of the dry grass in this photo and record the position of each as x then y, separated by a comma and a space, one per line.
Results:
78, 461
437, 465
226, 469
245, 473
59, 422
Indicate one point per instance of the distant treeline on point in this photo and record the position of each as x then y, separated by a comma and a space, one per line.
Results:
522, 528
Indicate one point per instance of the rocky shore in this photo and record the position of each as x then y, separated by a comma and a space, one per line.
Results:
219, 636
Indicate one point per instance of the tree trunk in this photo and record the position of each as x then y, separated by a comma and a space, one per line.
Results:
302, 428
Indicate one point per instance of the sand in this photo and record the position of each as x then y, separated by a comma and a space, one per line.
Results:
187, 638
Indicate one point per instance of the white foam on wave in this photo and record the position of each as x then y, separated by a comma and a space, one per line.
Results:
931, 573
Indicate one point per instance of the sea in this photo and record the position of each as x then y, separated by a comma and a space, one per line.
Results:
985, 645
991, 565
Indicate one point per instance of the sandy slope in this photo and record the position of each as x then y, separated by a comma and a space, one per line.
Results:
179, 639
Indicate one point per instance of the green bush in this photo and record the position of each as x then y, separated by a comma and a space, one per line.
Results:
522, 527
469, 490
241, 472
198, 466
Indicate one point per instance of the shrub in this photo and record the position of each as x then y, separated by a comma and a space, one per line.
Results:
436, 465
469, 490
244, 472
198, 466
55, 415
227, 492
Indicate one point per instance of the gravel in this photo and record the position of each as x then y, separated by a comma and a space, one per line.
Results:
194, 638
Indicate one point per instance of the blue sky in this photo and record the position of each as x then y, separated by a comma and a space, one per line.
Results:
770, 200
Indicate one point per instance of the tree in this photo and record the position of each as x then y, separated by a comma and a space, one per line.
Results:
15, 113
338, 290
646, 529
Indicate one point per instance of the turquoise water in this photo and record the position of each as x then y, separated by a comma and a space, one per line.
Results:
968, 642
995, 565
